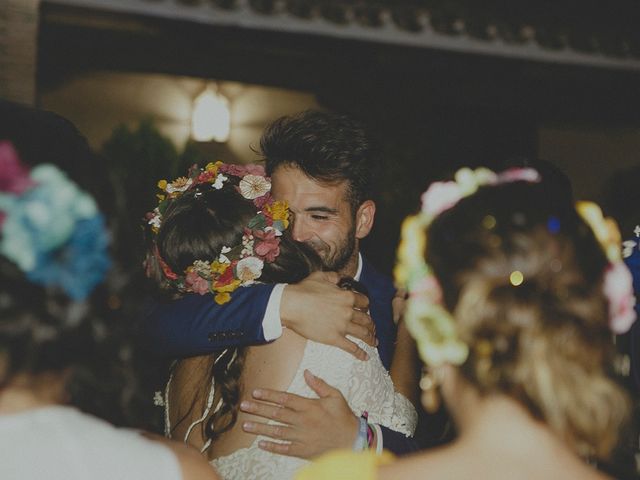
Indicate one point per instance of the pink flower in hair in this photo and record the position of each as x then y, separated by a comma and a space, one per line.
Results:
263, 200
428, 287
440, 196
267, 244
242, 170
519, 175
618, 288
14, 176
254, 169
196, 283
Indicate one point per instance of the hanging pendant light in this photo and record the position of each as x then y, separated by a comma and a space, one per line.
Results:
211, 118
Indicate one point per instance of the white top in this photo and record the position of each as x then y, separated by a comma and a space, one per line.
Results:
61, 443
365, 385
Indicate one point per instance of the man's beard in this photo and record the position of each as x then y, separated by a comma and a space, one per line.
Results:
337, 260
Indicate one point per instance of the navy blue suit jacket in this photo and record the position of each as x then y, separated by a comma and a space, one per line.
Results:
196, 325
633, 262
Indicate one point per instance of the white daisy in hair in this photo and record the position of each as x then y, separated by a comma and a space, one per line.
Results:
181, 184
249, 269
254, 186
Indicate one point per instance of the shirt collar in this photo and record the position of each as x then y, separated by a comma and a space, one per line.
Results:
359, 270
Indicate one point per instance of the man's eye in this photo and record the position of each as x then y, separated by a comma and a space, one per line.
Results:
319, 217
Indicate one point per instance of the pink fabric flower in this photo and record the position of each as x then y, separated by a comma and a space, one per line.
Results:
429, 287
618, 288
263, 200
206, 176
519, 175
440, 196
255, 169
242, 170
267, 245
196, 283
166, 269
14, 176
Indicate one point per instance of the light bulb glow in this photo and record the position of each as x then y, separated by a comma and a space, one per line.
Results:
211, 119
516, 278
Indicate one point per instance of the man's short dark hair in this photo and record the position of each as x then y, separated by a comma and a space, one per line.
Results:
327, 147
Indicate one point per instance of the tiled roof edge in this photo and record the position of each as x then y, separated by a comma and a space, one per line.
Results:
388, 27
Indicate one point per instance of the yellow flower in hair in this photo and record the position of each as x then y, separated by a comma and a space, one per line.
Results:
433, 328
427, 320
470, 180
162, 184
213, 167
219, 267
466, 180
484, 176
229, 287
179, 186
223, 293
413, 243
222, 298
605, 229
279, 210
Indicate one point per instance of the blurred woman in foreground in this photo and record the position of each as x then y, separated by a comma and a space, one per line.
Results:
53, 254
513, 300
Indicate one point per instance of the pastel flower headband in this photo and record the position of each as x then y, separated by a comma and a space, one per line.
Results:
428, 320
50, 228
237, 265
618, 281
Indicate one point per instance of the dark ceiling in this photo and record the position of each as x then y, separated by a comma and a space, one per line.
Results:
345, 71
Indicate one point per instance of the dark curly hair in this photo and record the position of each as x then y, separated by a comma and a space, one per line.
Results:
327, 147
43, 332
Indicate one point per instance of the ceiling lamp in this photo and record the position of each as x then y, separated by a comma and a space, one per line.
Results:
211, 118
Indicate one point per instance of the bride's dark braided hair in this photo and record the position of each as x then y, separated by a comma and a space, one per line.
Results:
195, 227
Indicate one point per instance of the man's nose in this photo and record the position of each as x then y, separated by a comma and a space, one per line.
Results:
300, 231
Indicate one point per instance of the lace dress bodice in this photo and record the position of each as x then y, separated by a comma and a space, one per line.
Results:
366, 386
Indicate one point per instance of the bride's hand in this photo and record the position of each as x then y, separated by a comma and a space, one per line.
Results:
311, 426
318, 310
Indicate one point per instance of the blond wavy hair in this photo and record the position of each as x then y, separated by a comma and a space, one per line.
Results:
544, 342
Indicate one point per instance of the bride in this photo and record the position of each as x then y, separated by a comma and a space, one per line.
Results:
217, 230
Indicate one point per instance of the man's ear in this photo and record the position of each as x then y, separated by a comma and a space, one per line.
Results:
364, 218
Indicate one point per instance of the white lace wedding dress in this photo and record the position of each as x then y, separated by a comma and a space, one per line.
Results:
365, 385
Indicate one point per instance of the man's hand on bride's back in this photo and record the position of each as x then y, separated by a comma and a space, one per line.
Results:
307, 427
317, 309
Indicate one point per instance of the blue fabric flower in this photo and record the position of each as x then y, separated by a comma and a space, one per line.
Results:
80, 264
55, 234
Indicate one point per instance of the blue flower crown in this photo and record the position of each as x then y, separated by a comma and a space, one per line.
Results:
50, 228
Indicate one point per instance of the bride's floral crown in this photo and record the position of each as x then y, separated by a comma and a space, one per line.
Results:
50, 228
236, 265
429, 321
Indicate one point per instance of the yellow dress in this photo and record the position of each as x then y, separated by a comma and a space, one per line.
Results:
345, 464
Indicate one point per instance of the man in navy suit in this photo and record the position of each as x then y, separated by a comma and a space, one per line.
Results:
322, 164
631, 254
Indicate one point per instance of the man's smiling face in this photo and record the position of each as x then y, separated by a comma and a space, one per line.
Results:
322, 217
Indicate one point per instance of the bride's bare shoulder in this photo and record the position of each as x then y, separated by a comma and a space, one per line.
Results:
274, 365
